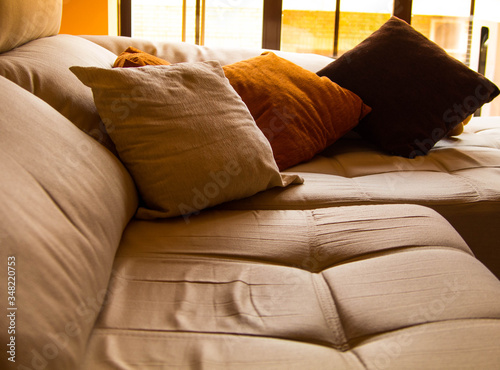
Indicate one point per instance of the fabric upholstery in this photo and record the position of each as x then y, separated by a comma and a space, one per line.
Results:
178, 52
359, 173
42, 67
187, 138
222, 292
299, 113
64, 202
377, 287
26, 20
459, 179
418, 93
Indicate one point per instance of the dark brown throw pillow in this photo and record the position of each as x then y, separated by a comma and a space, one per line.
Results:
417, 92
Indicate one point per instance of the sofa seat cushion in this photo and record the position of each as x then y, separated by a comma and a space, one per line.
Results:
64, 202
459, 178
322, 288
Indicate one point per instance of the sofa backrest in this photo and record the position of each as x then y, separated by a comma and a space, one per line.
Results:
64, 203
26, 20
37, 58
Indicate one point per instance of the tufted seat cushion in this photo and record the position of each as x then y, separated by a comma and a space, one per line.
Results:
345, 287
459, 179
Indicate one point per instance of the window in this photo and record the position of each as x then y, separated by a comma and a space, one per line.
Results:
236, 23
308, 26
158, 19
327, 27
366, 15
315, 26
293, 25
214, 22
448, 26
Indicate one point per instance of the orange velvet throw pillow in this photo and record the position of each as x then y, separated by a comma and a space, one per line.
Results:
133, 57
299, 112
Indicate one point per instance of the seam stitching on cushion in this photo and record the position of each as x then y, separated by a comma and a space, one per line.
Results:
102, 331
360, 189
143, 333
339, 164
403, 249
358, 357
445, 169
330, 312
478, 194
321, 288
323, 291
312, 241
426, 323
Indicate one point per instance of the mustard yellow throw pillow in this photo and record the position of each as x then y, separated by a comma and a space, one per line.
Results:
299, 112
133, 57
184, 134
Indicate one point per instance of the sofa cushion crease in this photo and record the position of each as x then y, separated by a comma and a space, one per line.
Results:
215, 350
413, 349
370, 297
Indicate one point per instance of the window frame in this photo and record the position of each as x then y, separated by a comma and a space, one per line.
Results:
271, 27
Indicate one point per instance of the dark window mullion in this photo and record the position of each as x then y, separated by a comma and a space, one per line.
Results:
402, 10
125, 21
469, 33
271, 28
271, 24
336, 29
197, 32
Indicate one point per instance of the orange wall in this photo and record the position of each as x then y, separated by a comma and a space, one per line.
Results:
85, 17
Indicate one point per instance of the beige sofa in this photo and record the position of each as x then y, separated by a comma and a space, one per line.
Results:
340, 272
460, 178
